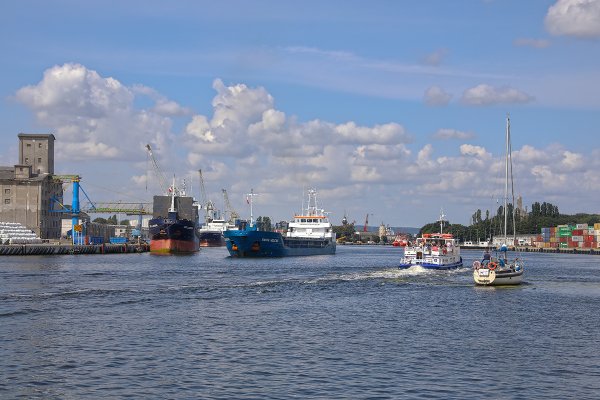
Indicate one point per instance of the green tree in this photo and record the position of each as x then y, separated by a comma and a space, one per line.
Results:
100, 220
264, 224
344, 232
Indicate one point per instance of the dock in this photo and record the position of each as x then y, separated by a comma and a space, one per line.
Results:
57, 249
533, 249
566, 250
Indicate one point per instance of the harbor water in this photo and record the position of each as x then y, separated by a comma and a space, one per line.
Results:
345, 326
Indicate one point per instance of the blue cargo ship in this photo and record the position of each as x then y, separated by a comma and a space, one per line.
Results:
309, 233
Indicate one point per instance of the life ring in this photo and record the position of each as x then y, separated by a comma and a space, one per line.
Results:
492, 265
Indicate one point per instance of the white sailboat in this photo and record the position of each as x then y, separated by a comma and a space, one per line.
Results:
499, 269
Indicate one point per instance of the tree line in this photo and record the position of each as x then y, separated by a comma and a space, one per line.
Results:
484, 226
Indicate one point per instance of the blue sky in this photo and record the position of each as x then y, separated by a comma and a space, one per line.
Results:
392, 108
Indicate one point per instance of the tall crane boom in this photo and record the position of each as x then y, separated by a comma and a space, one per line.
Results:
162, 181
233, 215
206, 204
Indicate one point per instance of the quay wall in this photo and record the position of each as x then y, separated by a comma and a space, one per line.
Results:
55, 249
567, 250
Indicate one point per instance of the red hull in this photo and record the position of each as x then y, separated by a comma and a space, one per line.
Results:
173, 246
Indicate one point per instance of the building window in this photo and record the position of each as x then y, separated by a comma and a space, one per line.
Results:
6, 191
40, 145
6, 201
28, 144
39, 159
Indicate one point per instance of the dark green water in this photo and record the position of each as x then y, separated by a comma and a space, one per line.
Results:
329, 327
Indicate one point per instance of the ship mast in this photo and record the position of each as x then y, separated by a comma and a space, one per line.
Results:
172, 209
249, 197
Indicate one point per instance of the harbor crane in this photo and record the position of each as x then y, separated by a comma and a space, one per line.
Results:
77, 207
208, 205
233, 215
162, 181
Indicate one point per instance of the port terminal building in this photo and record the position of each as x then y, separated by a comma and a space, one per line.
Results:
28, 187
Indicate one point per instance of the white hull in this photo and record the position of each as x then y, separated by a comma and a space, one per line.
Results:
487, 277
433, 251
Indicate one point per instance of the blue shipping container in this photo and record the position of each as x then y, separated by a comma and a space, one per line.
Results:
96, 240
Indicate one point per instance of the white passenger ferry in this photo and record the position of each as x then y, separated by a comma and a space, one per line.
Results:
433, 251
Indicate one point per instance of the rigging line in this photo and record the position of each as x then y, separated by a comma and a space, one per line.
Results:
512, 185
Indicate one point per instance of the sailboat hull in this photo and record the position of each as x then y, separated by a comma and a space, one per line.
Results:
487, 277
487, 272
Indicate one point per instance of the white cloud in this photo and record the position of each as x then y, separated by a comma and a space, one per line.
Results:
247, 142
483, 95
382, 134
163, 105
529, 154
579, 18
436, 96
528, 42
572, 161
245, 121
382, 152
93, 117
444, 134
476, 151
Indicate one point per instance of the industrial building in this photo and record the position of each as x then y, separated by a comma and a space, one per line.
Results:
27, 187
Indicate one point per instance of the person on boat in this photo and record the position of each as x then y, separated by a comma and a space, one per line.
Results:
502, 263
486, 257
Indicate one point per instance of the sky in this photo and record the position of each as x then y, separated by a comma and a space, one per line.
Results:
394, 110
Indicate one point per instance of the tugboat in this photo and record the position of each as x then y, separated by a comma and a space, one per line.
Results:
173, 234
309, 233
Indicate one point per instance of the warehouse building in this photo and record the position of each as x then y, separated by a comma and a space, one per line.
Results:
28, 187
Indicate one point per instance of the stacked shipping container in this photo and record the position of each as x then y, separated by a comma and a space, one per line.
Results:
570, 236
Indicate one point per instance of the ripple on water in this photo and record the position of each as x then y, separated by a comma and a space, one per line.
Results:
346, 326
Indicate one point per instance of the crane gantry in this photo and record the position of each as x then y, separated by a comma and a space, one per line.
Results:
207, 204
233, 215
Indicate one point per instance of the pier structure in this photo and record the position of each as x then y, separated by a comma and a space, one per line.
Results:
57, 249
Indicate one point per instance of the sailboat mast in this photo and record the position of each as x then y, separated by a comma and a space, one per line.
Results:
512, 185
506, 175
